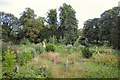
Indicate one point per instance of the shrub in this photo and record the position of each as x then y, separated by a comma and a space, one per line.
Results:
97, 50
24, 48
53, 40
39, 48
23, 57
24, 41
60, 48
50, 47
8, 63
116, 52
86, 52
69, 48
62, 40
25, 53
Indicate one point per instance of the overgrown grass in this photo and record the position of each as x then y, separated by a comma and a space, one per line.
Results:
84, 68
102, 64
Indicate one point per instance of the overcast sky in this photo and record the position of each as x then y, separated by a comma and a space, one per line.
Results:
85, 9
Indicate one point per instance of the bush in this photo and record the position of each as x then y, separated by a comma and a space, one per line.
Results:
24, 41
24, 48
25, 53
60, 48
39, 48
116, 52
98, 50
8, 63
62, 40
23, 57
86, 52
53, 40
50, 47
69, 48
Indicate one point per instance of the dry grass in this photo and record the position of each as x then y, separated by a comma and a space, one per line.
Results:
82, 66
107, 59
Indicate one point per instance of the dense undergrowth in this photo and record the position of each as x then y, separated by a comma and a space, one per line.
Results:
89, 62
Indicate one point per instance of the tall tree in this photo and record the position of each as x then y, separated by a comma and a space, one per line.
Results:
68, 23
52, 18
115, 33
108, 24
118, 31
52, 22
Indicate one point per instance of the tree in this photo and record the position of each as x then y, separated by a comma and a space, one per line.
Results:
115, 33
105, 28
109, 24
68, 23
31, 26
118, 32
27, 14
9, 26
52, 19
91, 29
52, 22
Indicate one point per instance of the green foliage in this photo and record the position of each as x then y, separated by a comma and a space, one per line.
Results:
39, 48
52, 19
62, 40
68, 23
9, 26
98, 50
8, 63
50, 47
53, 40
0, 32
4, 48
29, 47
60, 48
107, 60
31, 73
24, 41
105, 28
86, 52
0, 67
77, 43
116, 52
27, 74
23, 57
69, 48
26, 53
91, 29
31, 26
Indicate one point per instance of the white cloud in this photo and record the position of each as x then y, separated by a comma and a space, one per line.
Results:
85, 9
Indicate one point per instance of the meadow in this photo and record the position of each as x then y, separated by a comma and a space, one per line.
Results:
72, 63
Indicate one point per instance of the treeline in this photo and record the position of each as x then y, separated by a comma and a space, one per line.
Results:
65, 26
104, 29
34, 28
